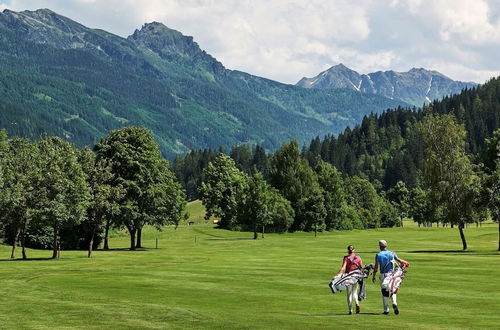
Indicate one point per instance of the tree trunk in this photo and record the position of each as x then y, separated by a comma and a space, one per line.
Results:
132, 238
139, 238
315, 230
255, 234
263, 228
498, 234
401, 221
106, 232
462, 236
91, 243
14, 244
23, 239
55, 244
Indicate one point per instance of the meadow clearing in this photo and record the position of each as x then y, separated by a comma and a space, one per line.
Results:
202, 277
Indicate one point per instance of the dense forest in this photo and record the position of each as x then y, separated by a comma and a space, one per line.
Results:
438, 165
385, 148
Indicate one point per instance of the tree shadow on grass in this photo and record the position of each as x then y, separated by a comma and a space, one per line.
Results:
125, 249
27, 259
336, 314
457, 252
231, 239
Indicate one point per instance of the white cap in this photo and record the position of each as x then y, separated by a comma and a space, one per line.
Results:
382, 242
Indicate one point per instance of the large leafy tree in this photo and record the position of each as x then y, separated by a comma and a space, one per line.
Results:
19, 171
151, 195
491, 158
223, 190
165, 199
420, 208
448, 170
264, 206
62, 193
104, 196
399, 196
296, 181
332, 184
314, 210
361, 194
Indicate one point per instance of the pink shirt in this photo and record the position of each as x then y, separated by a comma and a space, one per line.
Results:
353, 262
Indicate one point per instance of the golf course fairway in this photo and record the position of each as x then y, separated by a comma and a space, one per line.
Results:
202, 277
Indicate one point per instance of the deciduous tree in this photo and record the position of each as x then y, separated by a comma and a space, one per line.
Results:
62, 193
223, 190
104, 196
19, 171
448, 170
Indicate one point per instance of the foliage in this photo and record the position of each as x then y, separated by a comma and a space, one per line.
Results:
223, 190
399, 197
62, 194
421, 209
151, 196
332, 184
361, 194
387, 147
448, 171
104, 196
264, 208
20, 171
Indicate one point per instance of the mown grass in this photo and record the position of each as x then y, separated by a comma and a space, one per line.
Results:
196, 213
201, 277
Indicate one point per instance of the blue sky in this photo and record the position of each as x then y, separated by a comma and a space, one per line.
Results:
285, 40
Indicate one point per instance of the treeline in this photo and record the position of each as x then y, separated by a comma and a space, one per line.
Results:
388, 148
298, 196
385, 148
55, 195
388, 158
295, 197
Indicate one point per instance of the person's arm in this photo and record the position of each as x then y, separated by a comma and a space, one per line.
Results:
403, 262
375, 270
342, 269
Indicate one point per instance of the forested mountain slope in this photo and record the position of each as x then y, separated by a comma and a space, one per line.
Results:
65, 79
388, 147
384, 148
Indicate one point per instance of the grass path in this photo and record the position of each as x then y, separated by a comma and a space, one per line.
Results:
224, 280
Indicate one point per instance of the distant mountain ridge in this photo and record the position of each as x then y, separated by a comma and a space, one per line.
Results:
59, 77
417, 86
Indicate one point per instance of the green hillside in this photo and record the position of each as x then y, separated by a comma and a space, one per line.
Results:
79, 83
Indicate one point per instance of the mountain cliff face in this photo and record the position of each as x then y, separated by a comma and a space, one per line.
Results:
417, 86
62, 78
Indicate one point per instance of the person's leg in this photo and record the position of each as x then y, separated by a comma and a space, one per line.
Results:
385, 295
395, 304
349, 298
355, 291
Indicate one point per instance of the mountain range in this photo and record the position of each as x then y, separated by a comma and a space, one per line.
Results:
61, 78
416, 87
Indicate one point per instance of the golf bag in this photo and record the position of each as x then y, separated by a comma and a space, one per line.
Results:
392, 282
340, 282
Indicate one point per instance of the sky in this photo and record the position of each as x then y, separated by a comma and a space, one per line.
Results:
286, 40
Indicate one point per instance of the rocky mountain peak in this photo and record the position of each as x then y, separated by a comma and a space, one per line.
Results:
417, 86
174, 46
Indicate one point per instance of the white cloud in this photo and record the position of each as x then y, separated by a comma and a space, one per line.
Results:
287, 39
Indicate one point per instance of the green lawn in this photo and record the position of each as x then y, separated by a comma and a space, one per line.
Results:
201, 277
196, 213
